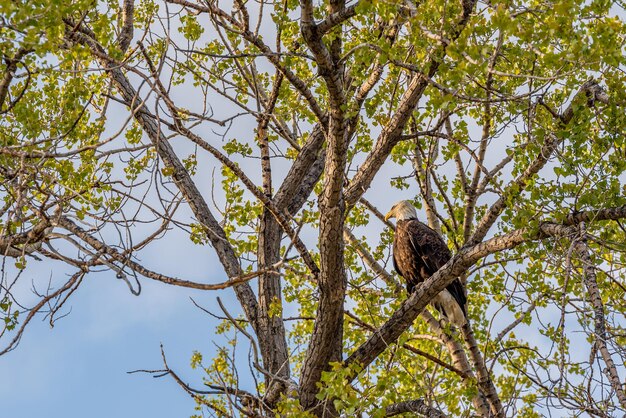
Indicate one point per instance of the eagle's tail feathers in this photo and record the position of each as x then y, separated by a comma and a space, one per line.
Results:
449, 307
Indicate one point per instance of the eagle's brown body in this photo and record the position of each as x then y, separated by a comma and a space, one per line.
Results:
418, 252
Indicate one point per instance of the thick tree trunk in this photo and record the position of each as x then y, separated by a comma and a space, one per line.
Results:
327, 339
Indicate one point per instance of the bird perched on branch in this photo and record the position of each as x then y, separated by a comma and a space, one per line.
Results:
418, 252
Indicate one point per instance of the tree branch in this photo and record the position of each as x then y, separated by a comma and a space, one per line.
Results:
485, 382
295, 81
125, 260
456, 266
337, 18
9, 73
392, 131
594, 93
416, 406
126, 35
181, 177
600, 334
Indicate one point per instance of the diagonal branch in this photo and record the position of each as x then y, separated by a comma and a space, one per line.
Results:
181, 176
485, 382
9, 73
125, 260
212, 9
412, 349
371, 262
16, 245
74, 280
594, 93
299, 170
402, 319
280, 216
392, 131
461, 365
337, 18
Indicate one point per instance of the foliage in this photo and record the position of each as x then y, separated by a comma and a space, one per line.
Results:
497, 119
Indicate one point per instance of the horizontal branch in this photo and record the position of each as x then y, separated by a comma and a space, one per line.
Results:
337, 18
604, 214
125, 260
16, 245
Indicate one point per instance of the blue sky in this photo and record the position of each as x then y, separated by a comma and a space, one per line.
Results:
80, 366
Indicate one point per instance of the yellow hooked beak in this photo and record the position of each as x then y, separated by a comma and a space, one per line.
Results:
389, 215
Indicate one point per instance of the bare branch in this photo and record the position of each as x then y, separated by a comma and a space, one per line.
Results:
76, 278
125, 260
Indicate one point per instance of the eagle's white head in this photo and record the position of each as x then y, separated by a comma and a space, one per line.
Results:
402, 210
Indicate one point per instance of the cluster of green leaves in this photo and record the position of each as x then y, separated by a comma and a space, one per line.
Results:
50, 127
9, 315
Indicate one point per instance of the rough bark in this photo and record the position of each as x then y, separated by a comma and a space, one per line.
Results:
335, 200
417, 406
276, 359
17, 245
326, 342
126, 34
485, 382
600, 334
9, 74
291, 189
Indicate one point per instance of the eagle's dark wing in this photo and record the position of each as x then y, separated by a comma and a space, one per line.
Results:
407, 259
419, 252
428, 245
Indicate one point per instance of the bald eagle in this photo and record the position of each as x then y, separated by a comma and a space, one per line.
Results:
418, 252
